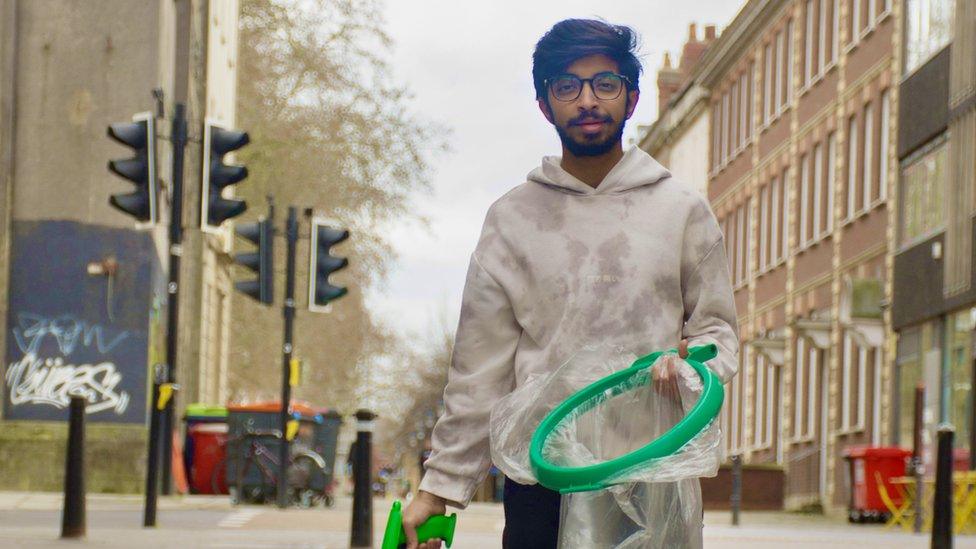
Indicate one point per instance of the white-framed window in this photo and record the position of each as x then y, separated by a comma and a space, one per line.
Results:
799, 395
868, 163
854, 381
852, 139
750, 263
835, 30
734, 116
818, 207
734, 419
743, 109
716, 136
788, 80
785, 209
883, 147
780, 96
855, 21
822, 35
813, 367
740, 234
772, 390
759, 400
831, 179
725, 127
764, 227
776, 250
768, 83
808, 45
804, 200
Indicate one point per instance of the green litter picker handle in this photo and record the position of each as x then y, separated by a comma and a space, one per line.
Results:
598, 476
437, 526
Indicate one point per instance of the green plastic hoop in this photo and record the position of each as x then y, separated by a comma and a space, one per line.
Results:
596, 477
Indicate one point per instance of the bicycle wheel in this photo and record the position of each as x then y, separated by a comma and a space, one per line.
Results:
218, 478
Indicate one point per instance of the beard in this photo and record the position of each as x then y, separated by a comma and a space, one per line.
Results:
591, 148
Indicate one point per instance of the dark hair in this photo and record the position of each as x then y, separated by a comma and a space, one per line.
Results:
572, 39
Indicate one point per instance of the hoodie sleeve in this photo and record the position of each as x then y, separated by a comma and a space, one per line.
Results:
482, 371
706, 286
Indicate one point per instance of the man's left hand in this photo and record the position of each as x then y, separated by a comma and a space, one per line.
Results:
665, 374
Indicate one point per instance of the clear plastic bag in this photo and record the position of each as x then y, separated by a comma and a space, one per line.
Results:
653, 504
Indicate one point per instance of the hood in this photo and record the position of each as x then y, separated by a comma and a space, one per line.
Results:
635, 169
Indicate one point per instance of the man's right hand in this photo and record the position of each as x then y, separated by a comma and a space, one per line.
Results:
423, 506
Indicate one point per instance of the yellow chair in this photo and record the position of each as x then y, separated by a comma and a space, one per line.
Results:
903, 514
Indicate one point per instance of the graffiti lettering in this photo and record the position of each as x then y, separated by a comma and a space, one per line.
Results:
50, 381
35, 379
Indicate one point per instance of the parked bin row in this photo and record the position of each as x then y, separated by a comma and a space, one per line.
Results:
234, 450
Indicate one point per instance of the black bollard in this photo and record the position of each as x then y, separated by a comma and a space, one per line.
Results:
362, 498
942, 505
73, 514
736, 500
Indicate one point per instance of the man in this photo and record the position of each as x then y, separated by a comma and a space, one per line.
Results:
598, 246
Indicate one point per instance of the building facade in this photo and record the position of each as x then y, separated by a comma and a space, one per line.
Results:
679, 138
934, 291
802, 128
82, 288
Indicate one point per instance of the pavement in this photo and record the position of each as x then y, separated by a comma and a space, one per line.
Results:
34, 519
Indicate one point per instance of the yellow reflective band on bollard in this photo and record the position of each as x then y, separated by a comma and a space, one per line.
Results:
294, 372
165, 393
292, 429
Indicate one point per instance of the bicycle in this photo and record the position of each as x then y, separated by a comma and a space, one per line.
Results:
302, 464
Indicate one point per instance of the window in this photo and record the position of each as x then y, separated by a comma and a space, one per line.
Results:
818, 194
854, 383
768, 84
799, 400
822, 34
855, 22
740, 234
716, 136
928, 29
868, 177
725, 127
764, 226
808, 45
759, 398
883, 147
851, 168
743, 108
834, 30
788, 79
831, 180
780, 86
804, 236
734, 115
750, 263
782, 205
923, 183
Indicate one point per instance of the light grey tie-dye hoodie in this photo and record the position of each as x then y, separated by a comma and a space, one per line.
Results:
637, 262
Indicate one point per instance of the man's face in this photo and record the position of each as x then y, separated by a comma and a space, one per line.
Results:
588, 125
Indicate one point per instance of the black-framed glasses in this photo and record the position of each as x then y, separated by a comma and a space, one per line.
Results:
605, 86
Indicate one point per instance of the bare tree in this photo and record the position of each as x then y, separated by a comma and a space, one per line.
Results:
330, 129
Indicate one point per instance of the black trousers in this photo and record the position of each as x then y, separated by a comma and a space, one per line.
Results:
531, 517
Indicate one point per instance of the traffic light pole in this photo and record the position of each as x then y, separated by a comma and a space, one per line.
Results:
178, 137
291, 234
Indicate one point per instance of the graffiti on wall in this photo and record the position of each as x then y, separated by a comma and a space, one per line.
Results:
52, 378
69, 332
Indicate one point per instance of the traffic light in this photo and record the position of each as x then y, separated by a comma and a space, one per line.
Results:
323, 264
261, 261
140, 136
218, 141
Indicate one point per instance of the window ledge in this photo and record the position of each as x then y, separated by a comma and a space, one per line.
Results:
800, 440
847, 431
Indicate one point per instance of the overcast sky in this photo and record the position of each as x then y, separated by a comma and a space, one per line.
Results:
469, 67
